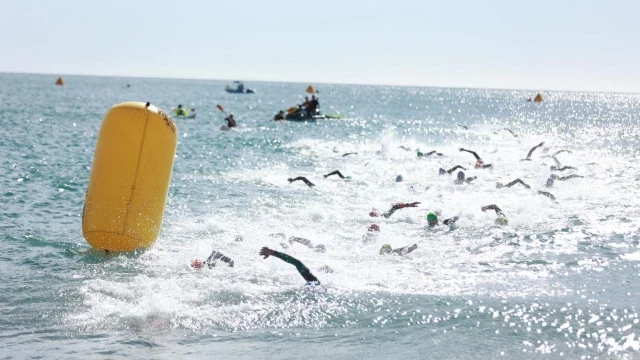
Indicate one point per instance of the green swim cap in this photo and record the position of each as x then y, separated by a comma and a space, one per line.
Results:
499, 185
432, 217
420, 153
347, 178
386, 249
502, 221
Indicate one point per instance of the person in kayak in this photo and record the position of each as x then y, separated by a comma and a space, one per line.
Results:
479, 162
279, 116
386, 249
432, 220
337, 172
231, 122
180, 111
461, 178
443, 171
500, 185
314, 105
528, 158
501, 219
374, 212
302, 269
307, 243
303, 179
211, 261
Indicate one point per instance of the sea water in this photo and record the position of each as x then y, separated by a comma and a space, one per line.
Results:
562, 279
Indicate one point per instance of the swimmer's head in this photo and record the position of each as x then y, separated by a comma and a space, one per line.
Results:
442, 171
374, 227
399, 178
239, 238
432, 219
460, 175
196, 264
374, 213
180, 106
419, 153
502, 221
499, 185
385, 249
479, 163
553, 168
320, 248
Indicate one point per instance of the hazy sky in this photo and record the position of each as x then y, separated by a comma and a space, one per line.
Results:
544, 44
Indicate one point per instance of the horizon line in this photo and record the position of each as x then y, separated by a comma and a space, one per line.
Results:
323, 83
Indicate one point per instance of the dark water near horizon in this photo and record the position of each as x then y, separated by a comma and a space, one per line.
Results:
561, 280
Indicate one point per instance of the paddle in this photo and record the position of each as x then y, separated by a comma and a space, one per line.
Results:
221, 109
292, 109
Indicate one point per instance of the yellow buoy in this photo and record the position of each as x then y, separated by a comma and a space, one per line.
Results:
311, 90
60, 81
129, 181
538, 98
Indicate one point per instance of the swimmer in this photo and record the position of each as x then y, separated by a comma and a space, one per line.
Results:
516, 181
547, 194
303, 179
307, 243
351, 153
443, 171
432, 220
461, 179
564, 178
386, 250
393, 209
211, 261
512, 133
559, 167
372, 233
531, 151
501, 219
421, 154
404, 148
337, 172
303, 270
479, 162
463, 126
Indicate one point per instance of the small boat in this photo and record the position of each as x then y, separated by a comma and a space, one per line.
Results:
240, 89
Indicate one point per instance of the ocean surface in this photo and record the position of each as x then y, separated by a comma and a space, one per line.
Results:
561, 280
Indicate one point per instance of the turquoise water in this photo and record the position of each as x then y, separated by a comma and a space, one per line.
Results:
561, 280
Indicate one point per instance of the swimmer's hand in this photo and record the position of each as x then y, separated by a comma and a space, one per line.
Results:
266, 252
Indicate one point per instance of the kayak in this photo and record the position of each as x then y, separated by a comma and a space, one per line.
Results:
302, 116
188, 116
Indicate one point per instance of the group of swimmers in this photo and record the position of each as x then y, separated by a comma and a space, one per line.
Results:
374, 229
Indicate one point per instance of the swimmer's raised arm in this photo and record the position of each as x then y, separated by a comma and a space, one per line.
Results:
470, 179
518, 181
350, 153
512, 133
561, 151
455, 168
563, 168
337, 172
547, 194
573, 176
301, 178
472, 153
532, 150
397, 207
405, 249
493, 207
302, 269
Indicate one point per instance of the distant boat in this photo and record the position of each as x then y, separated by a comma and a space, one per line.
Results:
60, 81
240, 89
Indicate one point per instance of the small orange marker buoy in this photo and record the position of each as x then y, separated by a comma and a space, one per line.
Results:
538, 98
311, 90
60, 81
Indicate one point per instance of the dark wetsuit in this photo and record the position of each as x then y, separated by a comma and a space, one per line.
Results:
302, 269
547, 194
214, 257
337, 172
302, 178
455, 168
493, 207
351, 153
465, 180
230, 122
307, 243
478, 160
563, 178
517, 181
528, 158
393, 209
405, 250
512, 133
